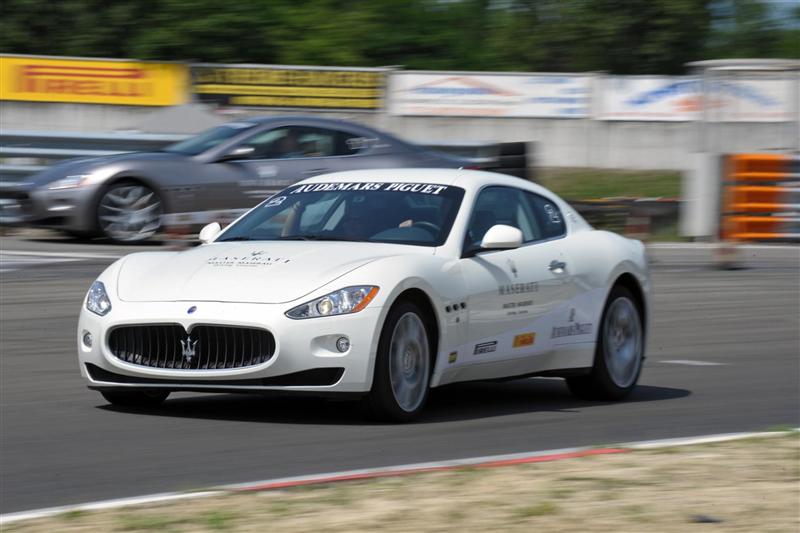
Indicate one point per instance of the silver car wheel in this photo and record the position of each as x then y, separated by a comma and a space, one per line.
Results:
409, 362
622, 340
129, 213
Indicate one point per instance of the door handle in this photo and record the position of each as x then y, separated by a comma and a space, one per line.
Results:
557, 266
315, 171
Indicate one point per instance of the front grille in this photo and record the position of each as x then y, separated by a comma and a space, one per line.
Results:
206, 347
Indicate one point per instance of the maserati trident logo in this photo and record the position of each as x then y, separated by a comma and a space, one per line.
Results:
188, 348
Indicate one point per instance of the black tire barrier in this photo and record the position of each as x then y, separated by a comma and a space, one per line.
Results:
512, 161
513, 148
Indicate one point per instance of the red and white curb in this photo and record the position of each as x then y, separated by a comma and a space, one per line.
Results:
491, 461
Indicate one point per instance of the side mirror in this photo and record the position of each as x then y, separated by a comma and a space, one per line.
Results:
240, 152
209, 232
501, 237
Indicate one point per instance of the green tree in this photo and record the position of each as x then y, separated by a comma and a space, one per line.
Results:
620, 36
747, 29
625, 37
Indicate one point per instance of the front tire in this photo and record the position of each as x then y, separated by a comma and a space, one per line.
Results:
403, 365
129, 212
135, 398
619, 353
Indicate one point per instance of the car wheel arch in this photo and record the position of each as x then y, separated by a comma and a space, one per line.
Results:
629, 281
424, 302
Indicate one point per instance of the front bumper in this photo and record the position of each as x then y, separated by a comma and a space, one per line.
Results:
305, 359
69, 209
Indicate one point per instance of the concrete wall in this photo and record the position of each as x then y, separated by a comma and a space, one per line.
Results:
559, 142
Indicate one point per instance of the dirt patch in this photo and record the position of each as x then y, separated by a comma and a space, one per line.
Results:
749, 485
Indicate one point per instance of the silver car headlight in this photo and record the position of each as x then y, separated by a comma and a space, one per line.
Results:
97, 300
70, 182
341, 302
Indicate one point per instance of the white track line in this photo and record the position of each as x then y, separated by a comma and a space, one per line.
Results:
11, 260
375, 472
715, 245
69, 255
705, 439
105, 504
10, 264
690, 362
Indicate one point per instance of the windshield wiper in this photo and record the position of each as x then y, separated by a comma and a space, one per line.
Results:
241, 238
312, 238
288, 238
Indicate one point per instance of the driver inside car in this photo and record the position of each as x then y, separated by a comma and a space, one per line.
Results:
358, 223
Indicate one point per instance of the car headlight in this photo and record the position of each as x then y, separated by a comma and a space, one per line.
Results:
341, 302
97, 300
70, 182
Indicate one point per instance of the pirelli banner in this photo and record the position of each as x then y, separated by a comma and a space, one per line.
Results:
289, 87
92, 81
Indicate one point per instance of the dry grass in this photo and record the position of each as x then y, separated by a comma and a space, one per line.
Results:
747, 486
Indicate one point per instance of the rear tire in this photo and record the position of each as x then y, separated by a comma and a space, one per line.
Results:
619, 353
135, 398
403, 366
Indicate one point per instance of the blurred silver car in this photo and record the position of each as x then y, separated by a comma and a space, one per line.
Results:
129, 197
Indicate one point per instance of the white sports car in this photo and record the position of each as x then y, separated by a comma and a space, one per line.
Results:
378, 283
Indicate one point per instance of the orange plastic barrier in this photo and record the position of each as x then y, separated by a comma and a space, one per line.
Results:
760, 198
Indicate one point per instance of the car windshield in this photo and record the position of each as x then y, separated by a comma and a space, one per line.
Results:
209, 139
405, 213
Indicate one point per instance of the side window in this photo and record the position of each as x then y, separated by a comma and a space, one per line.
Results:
548, 216
263, 142
292, 142
353, 144
316, 142
502, 205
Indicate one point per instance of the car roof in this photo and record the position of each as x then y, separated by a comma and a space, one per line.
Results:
301, 118
312, 121
466, 179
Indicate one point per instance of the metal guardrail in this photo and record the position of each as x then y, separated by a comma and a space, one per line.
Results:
124, 141
23, 153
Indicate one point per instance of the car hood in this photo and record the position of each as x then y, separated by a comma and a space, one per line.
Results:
248, 272
84, 165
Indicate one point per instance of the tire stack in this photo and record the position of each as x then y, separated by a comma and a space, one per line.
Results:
512, 159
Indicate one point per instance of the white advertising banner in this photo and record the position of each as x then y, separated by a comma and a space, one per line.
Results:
673, 98
492, 95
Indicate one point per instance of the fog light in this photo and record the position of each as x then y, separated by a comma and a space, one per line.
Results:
87, 339
342, 344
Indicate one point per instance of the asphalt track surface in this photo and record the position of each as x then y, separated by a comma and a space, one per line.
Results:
723, 356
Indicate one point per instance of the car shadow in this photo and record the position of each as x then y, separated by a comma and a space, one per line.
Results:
459, 402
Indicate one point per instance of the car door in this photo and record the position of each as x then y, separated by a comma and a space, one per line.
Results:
271, 160
512, 293
575, 320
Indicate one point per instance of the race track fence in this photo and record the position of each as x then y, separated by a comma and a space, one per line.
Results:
761, 198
